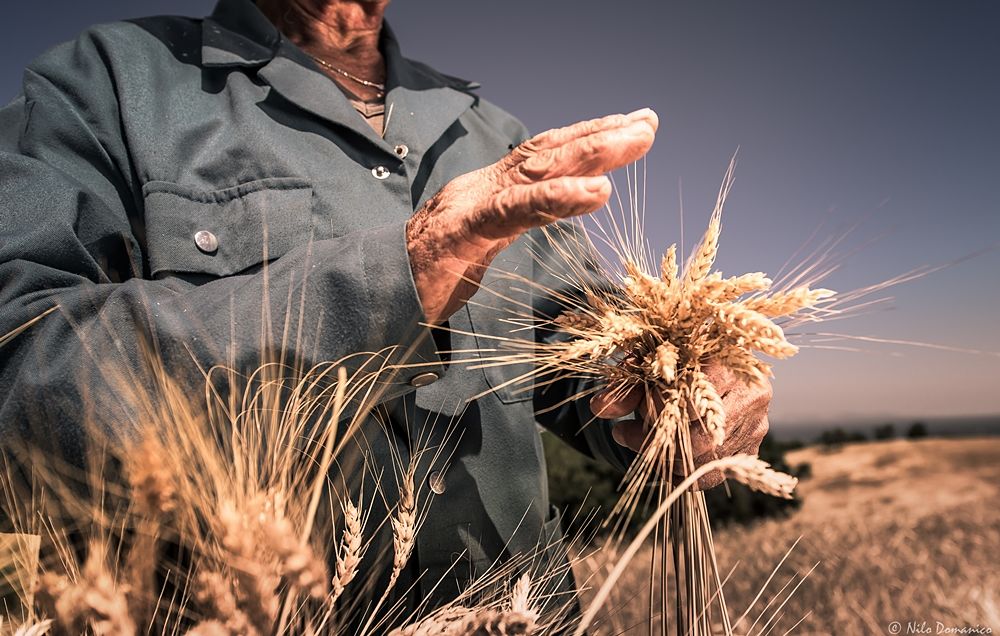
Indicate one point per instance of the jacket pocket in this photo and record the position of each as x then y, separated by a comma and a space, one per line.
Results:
224, 232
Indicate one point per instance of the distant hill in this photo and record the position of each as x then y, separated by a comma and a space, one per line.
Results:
936, 426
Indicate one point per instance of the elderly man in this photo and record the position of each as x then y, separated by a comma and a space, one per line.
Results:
151, 167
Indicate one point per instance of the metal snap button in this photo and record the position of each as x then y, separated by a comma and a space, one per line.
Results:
206, 241
380, 172
401, 151
423, 379
436, 482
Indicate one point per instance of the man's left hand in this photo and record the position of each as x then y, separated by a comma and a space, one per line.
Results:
746, 419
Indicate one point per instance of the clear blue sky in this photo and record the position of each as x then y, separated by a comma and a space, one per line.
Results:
843, 110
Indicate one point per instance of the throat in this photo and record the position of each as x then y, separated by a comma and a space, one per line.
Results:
341, 35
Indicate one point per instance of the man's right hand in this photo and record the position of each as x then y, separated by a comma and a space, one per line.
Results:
558, 174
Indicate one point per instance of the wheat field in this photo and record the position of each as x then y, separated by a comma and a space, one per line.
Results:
901, 531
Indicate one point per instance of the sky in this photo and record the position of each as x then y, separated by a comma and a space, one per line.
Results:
876, 115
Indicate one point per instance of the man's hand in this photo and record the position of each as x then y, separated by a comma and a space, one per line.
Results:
555, 175
746, 419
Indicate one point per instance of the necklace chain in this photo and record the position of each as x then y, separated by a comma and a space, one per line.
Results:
360, 80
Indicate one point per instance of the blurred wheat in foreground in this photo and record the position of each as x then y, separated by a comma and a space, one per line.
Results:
225, 516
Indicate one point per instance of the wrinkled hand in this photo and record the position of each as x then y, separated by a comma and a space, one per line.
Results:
558, 174
746, 420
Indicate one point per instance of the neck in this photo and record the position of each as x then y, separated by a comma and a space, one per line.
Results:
343, 33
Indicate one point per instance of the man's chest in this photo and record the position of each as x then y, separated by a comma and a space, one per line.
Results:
214, 143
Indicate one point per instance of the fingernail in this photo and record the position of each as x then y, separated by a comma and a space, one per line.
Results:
647, 115
618, 435
642, 113
595, 398
596, 184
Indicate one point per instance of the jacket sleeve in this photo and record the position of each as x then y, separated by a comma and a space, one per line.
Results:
570, 419
72, 237
555, 409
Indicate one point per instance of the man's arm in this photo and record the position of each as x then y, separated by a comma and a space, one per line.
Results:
71, 235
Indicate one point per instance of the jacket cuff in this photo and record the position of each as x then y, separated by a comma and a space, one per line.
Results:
397, 324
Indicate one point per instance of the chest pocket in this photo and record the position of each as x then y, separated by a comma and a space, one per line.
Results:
224, 232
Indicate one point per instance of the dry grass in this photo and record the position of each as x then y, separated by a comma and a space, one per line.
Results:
901, 531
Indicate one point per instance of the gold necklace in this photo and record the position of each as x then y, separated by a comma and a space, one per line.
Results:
380, 88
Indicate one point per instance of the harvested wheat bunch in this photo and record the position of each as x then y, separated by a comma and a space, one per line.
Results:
660, 330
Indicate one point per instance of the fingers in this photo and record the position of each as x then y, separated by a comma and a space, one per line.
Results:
594, 154
609, 403
560, 136
521, 207
711, 480
702, 443
630, 434
721, 377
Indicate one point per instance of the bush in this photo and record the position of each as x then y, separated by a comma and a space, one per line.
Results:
917, 430
886, 431
836, 437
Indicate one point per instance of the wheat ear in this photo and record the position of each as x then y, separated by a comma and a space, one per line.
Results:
94, 602
34, 629
214, 593
404, 526
257, 585
297, 562
758, 475
349, 554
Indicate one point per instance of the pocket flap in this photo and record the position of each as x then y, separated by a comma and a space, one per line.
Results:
250, 223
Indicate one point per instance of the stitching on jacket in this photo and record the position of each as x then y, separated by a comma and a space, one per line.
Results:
226, 194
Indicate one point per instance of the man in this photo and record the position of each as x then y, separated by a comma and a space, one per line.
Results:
151, 167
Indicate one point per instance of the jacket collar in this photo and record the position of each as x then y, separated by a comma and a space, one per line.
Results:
238, 34
424, 102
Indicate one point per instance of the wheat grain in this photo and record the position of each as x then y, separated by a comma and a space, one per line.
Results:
297, 562
668, 265
349, 553
708, 405
758, 475
153, 491
37, 629
520, 598
704, 256
95, 602
256, 575
458, 621
215, 595
212, 628
664, 362
404, 525
788, 302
